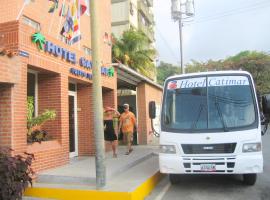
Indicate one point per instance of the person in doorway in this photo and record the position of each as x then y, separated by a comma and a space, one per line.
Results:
110, 130
127, 125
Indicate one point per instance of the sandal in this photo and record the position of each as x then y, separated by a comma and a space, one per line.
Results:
128, 152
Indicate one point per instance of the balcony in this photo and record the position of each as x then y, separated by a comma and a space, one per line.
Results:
144, 9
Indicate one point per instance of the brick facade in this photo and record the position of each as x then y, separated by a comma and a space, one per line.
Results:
53, 78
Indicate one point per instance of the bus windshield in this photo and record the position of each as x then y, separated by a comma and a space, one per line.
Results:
209, 103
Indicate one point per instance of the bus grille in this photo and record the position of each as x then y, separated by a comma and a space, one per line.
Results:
208, 148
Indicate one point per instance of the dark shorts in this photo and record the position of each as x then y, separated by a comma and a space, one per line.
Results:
109, 134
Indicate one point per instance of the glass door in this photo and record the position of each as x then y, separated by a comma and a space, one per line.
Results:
73, 133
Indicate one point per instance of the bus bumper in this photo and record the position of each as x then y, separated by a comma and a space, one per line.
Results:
237, 164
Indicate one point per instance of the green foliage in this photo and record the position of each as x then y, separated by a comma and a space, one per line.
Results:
257, 63
37, 135
30, 108
15, 175
45, 116
164, 70
133, 49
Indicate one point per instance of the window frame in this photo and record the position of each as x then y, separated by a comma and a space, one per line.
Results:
36, 90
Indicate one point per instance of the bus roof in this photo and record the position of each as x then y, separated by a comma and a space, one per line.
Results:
210, 73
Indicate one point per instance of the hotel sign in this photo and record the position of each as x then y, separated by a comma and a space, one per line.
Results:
69, 56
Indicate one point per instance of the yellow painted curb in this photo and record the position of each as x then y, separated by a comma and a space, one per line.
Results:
70, 194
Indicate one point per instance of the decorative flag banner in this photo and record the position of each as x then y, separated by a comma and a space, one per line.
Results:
63, 10
76, 35
72, 14
67, 29
54, 6
82, 7
71, 27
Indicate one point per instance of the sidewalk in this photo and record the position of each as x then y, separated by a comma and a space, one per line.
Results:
125, 174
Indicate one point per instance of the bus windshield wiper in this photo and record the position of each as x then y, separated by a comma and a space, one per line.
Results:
221, 116
194, 124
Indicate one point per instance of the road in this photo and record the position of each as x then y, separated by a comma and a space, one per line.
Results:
203, 187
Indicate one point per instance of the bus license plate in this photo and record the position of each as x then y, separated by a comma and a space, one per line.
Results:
208, 167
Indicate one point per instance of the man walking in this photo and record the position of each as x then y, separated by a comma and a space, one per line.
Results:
127, 125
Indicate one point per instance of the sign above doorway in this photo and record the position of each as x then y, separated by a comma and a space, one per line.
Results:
57, 51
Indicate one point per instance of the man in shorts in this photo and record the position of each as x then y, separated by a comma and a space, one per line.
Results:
127, 125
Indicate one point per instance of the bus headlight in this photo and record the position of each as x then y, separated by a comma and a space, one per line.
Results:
252, 147
170, 149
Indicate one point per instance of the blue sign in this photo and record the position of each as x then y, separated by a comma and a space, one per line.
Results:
23, 53
80, 73
85, 63
71, 57
60, 52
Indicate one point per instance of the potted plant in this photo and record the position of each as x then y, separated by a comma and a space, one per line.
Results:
15, 174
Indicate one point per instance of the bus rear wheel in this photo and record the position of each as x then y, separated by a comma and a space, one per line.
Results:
249, 179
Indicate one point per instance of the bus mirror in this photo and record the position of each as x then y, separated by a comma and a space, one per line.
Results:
266, 104
152, 110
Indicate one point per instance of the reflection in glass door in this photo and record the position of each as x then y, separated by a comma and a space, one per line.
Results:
73, 136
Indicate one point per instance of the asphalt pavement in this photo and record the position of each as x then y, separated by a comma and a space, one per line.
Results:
221, 187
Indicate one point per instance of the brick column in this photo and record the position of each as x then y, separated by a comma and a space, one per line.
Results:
19, 111
5, 115
142, 109
86, 139
145, 94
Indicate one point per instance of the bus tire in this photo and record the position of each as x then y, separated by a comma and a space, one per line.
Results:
249, 179
174, 178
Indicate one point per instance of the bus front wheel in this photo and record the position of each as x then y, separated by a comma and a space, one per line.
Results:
249, 179
174, 178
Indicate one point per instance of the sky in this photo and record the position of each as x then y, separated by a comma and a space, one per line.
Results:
220, 28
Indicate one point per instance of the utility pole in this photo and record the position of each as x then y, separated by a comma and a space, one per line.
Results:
97, 96
177, 15
181, 46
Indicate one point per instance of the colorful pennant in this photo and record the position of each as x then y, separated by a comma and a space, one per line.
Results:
54, 6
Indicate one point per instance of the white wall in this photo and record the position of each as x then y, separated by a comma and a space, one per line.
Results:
134, 18
120, 11
118, 30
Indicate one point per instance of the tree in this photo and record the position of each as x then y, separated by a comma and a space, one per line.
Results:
257, 63
134, 49
164, 70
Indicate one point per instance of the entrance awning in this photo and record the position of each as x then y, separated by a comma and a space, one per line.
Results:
129, 79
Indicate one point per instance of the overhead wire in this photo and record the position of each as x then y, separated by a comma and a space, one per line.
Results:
238, 9
167, 44
231, 12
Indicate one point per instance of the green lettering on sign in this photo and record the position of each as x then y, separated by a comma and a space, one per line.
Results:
111, 72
